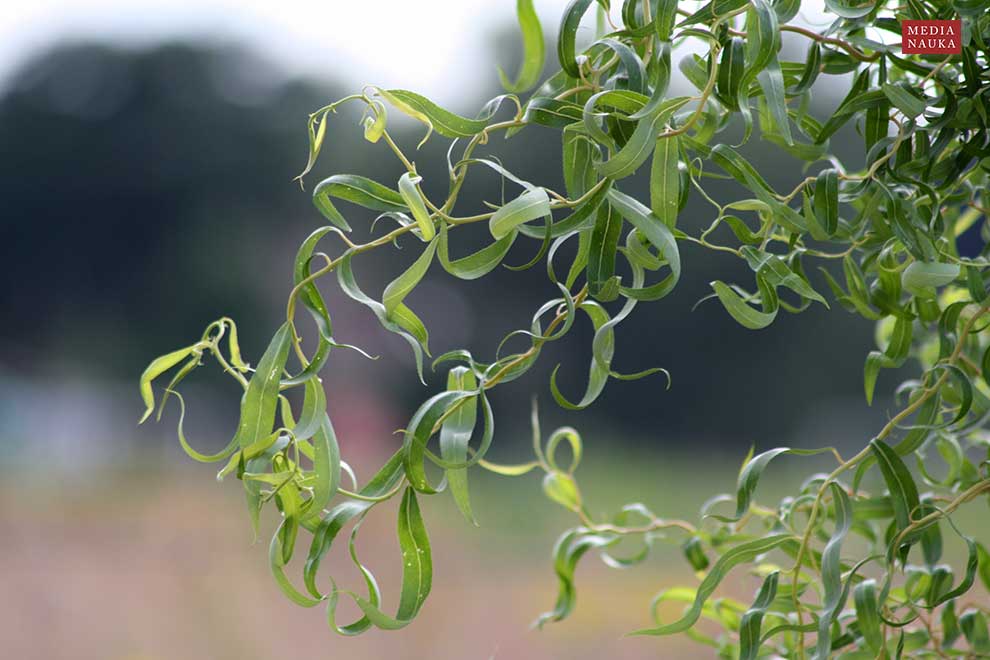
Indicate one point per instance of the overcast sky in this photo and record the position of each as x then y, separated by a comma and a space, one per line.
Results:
416, 44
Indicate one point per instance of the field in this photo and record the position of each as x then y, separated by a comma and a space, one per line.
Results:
95, 567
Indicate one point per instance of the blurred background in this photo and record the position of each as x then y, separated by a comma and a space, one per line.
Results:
148, 150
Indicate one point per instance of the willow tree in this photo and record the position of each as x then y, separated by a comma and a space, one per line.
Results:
875, 233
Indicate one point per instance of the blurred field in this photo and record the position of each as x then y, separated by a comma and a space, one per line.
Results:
158, 563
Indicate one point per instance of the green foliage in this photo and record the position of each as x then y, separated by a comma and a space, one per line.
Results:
845, 570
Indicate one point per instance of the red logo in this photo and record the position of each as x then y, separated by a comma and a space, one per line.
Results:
931, 37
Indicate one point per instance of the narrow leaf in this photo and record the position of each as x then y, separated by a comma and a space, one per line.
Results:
740, 554
827, 200
417, 568
534, 50
604, 243
157, 367
665, 181
357, 190
455, 434
900, 484
752, 620
412, 198
567, 36
530, 205
261, 397
904, 100
401, 286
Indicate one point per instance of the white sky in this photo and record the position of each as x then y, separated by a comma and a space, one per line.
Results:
414, 44
417, 44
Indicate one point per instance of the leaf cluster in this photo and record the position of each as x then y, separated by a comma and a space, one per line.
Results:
851, 565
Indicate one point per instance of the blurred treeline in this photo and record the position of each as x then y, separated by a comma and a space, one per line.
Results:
147, 192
